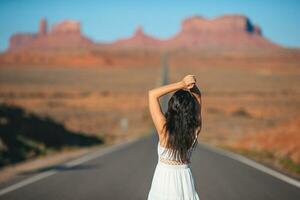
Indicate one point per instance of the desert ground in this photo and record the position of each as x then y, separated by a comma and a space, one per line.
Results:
250, 101
94, 101
250, 105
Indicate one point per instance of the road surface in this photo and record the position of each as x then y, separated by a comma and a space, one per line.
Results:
126, 173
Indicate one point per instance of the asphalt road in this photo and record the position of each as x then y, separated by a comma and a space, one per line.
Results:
126, 173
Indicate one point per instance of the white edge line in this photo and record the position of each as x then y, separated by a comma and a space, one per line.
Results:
83, 159
27, 181
253, 164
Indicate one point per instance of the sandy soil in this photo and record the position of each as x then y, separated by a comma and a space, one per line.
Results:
244, 105
110, 103
246, 97
94, 101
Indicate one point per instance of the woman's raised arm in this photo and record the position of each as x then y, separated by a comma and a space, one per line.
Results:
154, 105
154, 95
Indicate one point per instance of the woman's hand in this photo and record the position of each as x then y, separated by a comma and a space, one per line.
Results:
189, 81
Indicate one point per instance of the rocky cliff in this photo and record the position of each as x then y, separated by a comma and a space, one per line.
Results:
229, 31
66, 34
64, 44
139, 39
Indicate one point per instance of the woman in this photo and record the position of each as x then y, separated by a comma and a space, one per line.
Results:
177, 129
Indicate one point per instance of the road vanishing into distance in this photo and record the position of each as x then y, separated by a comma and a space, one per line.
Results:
125, 171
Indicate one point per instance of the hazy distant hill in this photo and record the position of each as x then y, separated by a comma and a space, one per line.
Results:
64, 44
66, 34
230, 31
196, 32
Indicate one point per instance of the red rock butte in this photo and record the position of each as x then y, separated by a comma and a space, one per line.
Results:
229, 31
139, 39
226, 31
66, 34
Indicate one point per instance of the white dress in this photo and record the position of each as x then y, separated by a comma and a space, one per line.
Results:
172, 182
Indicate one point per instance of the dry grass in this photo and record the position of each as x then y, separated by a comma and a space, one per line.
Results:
242, 105
93, 101
243, 95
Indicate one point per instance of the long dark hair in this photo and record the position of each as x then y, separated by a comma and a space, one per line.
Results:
183, 119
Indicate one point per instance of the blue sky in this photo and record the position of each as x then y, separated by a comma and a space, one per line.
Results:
108, 20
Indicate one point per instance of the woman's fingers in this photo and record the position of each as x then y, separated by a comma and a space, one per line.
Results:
190, 86
192, 77
190, 80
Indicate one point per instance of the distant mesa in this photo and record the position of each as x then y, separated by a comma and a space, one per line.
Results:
139, 39
229, 31
43, 27
65, 34
66, 27
225, 24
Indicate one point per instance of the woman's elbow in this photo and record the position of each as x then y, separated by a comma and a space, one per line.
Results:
150, 93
